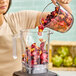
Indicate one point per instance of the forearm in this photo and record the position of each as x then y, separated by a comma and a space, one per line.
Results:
64, 4
37, 19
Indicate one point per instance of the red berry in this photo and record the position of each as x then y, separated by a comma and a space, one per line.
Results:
45, 21
62, 23
33, 53
61, 16
45, 51
68, 20
53, 13
56, 9
41, 40
56, 25
44, 61
57, 18
40, 33
41, 27
43, 56
42, 19
33, 62
42, 44
33, 45
54, 21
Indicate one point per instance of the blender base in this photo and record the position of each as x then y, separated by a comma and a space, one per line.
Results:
20, 73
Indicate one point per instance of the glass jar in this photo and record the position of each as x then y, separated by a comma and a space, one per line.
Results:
35, 50
57, 18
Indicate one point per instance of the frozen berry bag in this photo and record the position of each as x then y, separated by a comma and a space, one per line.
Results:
57, 18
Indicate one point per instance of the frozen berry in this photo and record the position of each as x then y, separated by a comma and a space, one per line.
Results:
57, 9
62, 23
33, 45
41, 40
57, 19
53, 13
43, 56
53, 21
42, 44
44, 61
61, 16
45, 21
68, 19
33, 53
40, 33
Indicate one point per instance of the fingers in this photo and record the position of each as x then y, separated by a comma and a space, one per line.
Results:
62, 1
69, 1
54, 1
65, 1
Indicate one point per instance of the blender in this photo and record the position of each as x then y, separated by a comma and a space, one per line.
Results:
35, 52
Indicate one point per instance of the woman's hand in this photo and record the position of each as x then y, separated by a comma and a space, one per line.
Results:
62, 1
64, 4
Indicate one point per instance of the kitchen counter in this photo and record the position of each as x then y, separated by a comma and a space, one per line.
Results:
65, 73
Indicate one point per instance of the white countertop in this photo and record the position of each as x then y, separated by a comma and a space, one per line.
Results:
65, 73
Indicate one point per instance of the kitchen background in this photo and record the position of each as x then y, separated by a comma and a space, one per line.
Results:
38, 5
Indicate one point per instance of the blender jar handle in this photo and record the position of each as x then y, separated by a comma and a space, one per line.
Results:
14, 48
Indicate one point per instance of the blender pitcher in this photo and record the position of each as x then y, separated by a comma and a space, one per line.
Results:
35, 55
57, 18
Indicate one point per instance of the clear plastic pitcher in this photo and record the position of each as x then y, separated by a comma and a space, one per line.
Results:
57, 18
35, 50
